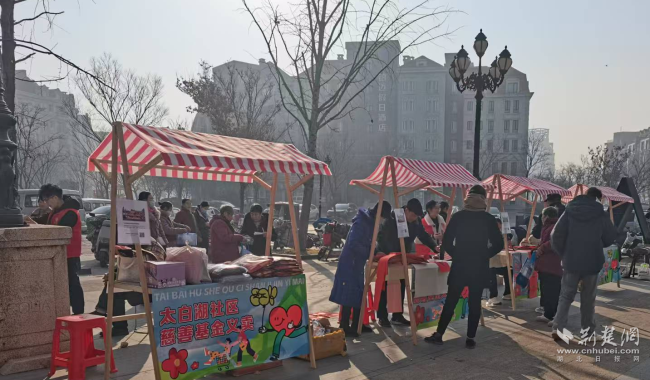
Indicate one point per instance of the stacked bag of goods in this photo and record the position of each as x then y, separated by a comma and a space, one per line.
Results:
225, 273
262, 266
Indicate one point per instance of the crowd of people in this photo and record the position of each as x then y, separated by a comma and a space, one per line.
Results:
568, 242
215, 234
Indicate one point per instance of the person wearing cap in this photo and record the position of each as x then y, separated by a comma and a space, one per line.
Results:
255, 226
472, 237
171, 228
202, 219
552, 200
349, 278
388, 242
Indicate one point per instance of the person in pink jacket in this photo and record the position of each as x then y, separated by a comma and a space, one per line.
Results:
224, 242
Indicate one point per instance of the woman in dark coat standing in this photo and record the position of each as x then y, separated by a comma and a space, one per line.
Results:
349, 277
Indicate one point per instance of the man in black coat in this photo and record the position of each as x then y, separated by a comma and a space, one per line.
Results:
472, 237
202, 220
579, 238
554, 200
388, 242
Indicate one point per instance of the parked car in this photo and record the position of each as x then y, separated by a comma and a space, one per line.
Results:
99, 224
495, 211
282, 210
28, 201
313, 212
91, 204
344, 211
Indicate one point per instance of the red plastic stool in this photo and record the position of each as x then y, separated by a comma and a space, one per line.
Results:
82, 352
369, 313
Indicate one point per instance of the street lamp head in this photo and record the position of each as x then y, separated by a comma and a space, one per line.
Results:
480, 44
494, 72
454, 73
462, 60
505, 61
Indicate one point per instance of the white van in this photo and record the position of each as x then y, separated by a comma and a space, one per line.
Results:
28, 201
93, 203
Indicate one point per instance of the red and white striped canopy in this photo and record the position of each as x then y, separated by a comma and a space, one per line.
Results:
414, 173
611, 194
204, 156
512, 186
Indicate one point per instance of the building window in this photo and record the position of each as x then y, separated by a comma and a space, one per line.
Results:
490, 145
382, 128
454, 129
453, 146
506, 126
495, 167
454, 107
504, 167
470, 105
432, 105
490, 126
428, 145
491, 106
432, 87
431, 126
468, 144
382, 107
515, 126
513, 168
512, 88
515, 106
408, 106
470, 125
515, 145
408, 86
506, 146
408, 126
507, 106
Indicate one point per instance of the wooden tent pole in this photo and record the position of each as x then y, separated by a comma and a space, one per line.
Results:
611, 210
373, 245
505, 241
489, 202
269, 227
370, 189
144, 288
451, 207
111, 260
409, 296
292, 215
532, 216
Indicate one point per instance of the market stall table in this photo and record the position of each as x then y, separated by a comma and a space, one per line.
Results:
134, 151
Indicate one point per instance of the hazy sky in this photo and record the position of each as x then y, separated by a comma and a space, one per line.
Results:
583, 58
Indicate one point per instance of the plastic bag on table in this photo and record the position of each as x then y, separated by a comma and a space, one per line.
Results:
196, 263
186, 238
217, 271
237, 278
253, 263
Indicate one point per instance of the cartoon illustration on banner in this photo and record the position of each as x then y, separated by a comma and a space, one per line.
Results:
428, 309
216, 327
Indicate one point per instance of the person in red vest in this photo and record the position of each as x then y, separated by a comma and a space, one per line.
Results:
65, 212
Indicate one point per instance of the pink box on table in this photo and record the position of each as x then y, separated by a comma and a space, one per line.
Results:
163, 274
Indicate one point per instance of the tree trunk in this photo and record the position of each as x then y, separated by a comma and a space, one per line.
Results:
308, 187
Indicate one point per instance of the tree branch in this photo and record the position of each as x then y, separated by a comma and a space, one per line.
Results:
37, 16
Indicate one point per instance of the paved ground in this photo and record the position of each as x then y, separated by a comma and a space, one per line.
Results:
511, 346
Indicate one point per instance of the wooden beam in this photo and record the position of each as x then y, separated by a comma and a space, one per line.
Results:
144, 169
505, 241
269, 231
261, 182
619, 204
373, 245
451, 208
101, 169
436, 192
374, 191
128, 191
187, 169
525, 200
301, 182
489, 202
611, 211
412, 189
409, 296
294, 221
128, 317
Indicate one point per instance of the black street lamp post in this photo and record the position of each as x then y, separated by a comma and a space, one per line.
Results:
479, 82
327, 161
10, 213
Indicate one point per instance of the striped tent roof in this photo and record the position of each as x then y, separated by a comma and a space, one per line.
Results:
611, 194
203, 156
512, 186
414, 173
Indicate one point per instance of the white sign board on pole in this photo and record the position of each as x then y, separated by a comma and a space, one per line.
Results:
402, 225
132, 222
505, 223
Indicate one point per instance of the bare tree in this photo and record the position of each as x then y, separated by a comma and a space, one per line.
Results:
341, 153
319, 91
39, 152
537, 155
606, 165
239, 102
491, 154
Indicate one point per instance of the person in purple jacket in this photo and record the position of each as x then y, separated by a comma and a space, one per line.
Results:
349, 277
549, 266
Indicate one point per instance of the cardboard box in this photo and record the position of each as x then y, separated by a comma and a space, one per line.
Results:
163, 274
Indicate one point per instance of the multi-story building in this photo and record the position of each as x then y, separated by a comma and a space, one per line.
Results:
542, 148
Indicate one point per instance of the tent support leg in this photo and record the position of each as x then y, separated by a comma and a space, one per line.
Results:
269, 230
292, 215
